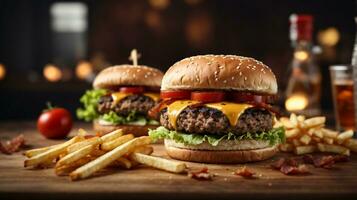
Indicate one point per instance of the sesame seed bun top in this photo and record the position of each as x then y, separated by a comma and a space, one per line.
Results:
128, 75
222, 72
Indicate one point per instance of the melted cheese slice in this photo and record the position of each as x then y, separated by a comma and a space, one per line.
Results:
174, 109
232, 110
117, 96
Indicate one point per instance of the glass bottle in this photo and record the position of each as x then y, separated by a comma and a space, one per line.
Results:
303, 89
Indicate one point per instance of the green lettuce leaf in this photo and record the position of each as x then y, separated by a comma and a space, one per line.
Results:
90, 101
274, 136
131, 119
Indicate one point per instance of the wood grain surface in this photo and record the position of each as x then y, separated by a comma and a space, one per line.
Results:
17, 182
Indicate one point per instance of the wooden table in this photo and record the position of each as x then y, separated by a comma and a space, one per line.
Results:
146, 183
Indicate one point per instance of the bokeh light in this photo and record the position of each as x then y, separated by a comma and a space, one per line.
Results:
199, 30
296, 102
329, 37
2, 71
193, 2
159, 4
84, 70
52, 73
301, 55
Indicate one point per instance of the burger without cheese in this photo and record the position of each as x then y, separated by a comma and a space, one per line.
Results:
217, 109
121, 98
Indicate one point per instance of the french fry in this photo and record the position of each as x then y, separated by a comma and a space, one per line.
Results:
159, 163
34, 152
305, 139
122, 162
76, 155
304, 149
333, 149
112, 135
318, 133
293, 119
316, 139
286, 123
292, 133
110, 145
65, 170
144, 150
106, 159
351, 144
329, 133
344, 136
50, 154
79, 145
286, 147
313, 122
327, 140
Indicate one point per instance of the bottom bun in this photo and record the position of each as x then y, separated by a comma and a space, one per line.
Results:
127, 129
220, 156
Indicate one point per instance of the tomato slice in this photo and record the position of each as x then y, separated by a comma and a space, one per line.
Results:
240, 97
133, 90
175, 94
213, 96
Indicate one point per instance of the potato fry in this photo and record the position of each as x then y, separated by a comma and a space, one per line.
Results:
159, 163
108, 158
122, 162
318, 133
144, 150
64, 170
344, 136
304, 149
313, 122
293, 119
34, 152
79, 145
286, 123
286, 147
76, 155
305, 139
333, 149
316, 139
351, 144
112, 135
292, 133
327, 140
110, 145
329, 133
50, 154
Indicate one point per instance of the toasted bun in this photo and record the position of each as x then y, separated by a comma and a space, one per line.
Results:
128, 75
223, 72
127, 129
219, 156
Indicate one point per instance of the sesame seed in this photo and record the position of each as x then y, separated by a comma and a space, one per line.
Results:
232, 78
245, 78
240, 73
224, 81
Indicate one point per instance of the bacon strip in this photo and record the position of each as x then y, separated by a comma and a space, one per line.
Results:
202, 174
13, 145
244, 172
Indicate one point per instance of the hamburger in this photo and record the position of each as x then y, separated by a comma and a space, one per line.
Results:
121, 99
218, 109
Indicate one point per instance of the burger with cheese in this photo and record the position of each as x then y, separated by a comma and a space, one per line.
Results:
121, 99
217, 109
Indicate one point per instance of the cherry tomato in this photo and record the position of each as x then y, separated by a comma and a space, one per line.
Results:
133, 90
55, 123
213, 96
175, 94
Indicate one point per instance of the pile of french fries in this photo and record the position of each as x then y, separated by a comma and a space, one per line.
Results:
81, 157
305, 136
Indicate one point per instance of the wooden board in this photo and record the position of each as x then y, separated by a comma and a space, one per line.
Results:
146, 183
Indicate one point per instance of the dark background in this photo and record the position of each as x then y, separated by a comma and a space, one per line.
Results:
163, 35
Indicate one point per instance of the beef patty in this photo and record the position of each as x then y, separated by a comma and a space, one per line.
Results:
138, 103
204, 120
